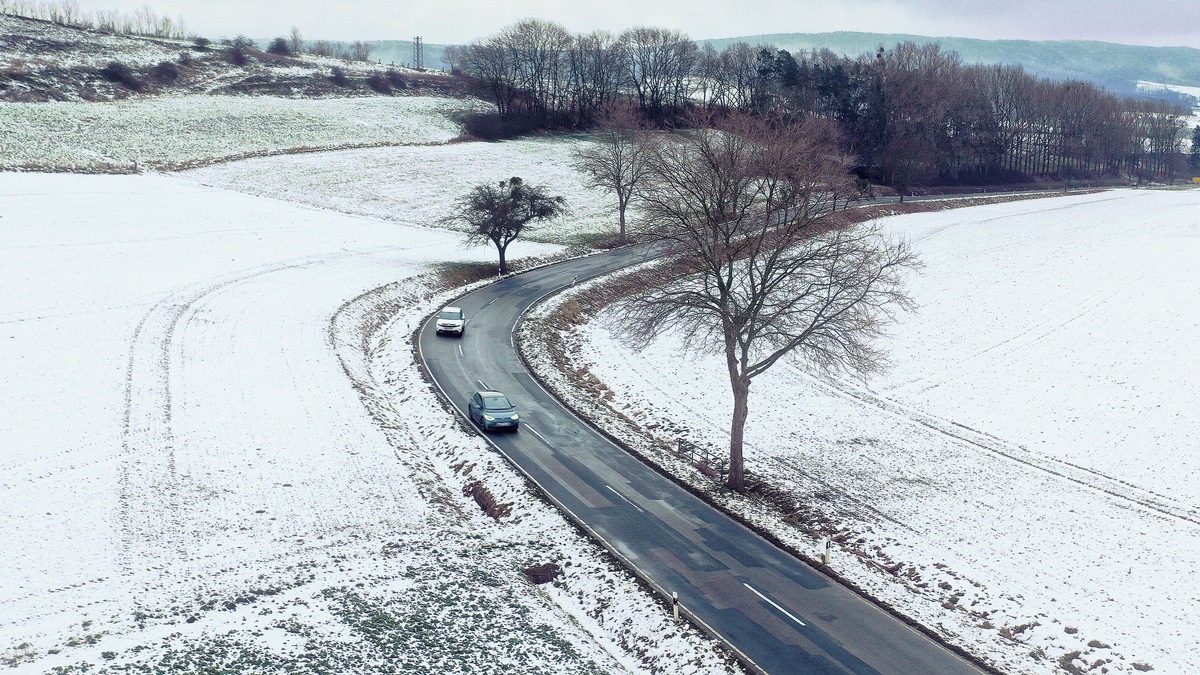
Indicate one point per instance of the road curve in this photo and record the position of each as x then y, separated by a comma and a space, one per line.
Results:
779, 614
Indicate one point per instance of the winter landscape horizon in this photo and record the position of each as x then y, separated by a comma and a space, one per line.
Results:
223, 454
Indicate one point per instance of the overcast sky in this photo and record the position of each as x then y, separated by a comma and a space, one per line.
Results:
1141, 22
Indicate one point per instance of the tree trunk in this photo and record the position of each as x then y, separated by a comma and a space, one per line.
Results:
503, 265
622, 201
741, 410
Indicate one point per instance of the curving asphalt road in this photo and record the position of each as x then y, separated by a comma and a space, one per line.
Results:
781, 615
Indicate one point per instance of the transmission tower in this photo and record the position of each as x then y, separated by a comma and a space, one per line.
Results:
418, 53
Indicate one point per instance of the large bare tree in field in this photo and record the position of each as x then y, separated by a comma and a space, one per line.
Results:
499, 212
615, 161
762, 271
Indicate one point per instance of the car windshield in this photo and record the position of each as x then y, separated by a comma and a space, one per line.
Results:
496, 402
453, 316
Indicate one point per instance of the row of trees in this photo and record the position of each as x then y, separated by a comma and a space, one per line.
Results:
539, 69
917, 115
911, 115
1194, 155
143, 21
242, 47
295, 43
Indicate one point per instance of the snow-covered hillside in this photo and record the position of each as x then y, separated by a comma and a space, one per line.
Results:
1028, 471
219, 455
41, 61
416, 185
175, 131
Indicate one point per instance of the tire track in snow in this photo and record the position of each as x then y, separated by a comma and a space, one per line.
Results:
1035, 332
925, 236
1113, 487
1032, 334
150, 509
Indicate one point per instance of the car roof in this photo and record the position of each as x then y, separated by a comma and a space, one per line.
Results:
451, 309
486, 392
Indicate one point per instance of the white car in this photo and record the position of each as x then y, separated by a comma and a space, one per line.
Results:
451, 320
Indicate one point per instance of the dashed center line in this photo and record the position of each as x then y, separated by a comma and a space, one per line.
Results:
535, 433
773, 604
484, 385
610, 488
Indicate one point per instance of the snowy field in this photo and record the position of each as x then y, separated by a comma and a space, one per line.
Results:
219, 456
172, 131
415, 185
1028, 471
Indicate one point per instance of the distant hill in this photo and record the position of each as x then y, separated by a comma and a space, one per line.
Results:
1115, 67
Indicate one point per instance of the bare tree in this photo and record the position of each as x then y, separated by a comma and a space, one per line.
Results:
360, 51
1194, 152
71, 13
762, 272
499, 213
493, 64
616, 161
453, 57
537, 51
595, 66
323, 48
144, 20
295, 40
659, 64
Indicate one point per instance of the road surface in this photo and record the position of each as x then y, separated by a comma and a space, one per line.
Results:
780, 614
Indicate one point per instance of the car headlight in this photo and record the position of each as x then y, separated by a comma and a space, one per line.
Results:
489, 418
516, 416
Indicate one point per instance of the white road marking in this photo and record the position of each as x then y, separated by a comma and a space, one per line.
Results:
460, 351
789, 614
483, 384
491, 301
624, 498
535, 433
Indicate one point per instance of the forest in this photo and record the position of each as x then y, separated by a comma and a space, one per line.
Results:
910, 116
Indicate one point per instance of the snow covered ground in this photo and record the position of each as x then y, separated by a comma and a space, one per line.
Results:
218, 454
414, 185
171, 131
1028, 471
